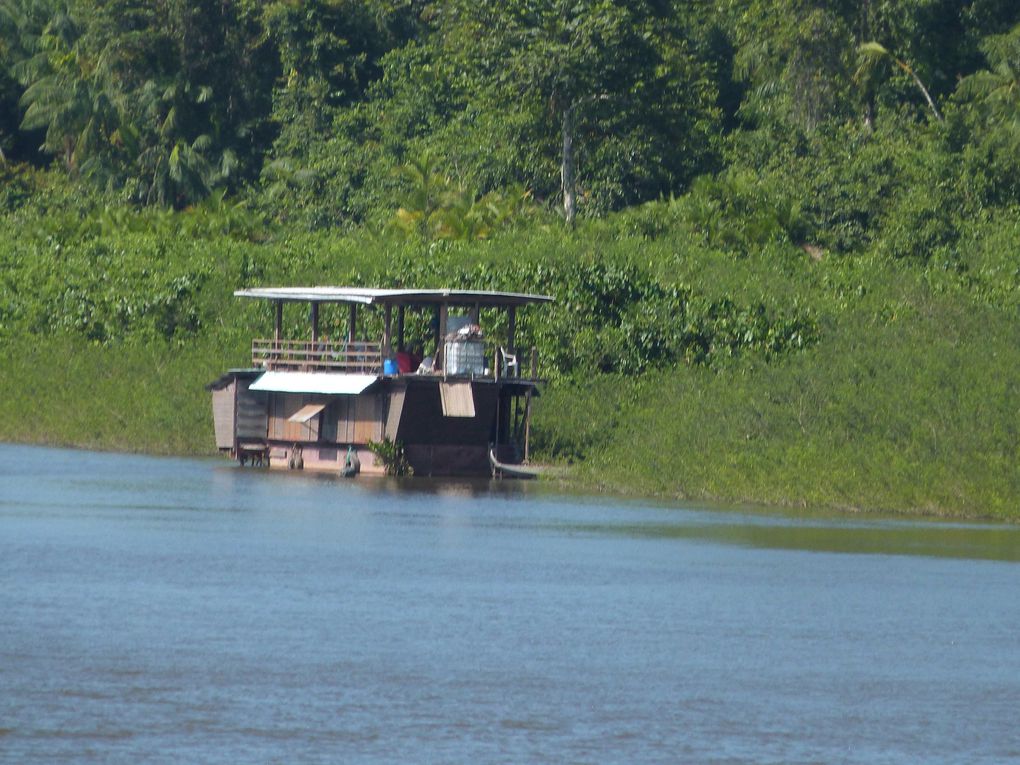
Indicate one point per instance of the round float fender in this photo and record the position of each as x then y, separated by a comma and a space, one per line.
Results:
352, 464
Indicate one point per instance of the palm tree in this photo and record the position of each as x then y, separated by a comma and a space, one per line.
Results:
74, 100
177, 168
426, 187
996, 91
871, 54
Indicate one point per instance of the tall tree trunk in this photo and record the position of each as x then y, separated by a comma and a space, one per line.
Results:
865, 34
567, 168
924, 91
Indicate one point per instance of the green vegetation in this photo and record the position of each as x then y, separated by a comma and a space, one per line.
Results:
392, 456
783, 235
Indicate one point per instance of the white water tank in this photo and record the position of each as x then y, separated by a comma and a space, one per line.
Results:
464, 357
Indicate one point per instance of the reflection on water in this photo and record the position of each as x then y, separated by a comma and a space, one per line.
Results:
944, 540
188, 611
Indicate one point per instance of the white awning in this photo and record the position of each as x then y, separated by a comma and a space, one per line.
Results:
305, 413
327, 383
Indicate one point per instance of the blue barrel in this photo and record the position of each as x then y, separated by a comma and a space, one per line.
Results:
389, 367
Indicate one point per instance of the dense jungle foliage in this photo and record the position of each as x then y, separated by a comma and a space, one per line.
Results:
783, 235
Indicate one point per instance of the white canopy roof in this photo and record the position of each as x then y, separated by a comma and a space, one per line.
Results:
327, 383
367, 296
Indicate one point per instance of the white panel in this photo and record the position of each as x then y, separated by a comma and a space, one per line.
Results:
458, 400
327, 383
305, 413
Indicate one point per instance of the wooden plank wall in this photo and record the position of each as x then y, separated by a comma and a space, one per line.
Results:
346, 419
285, 405
223, 416
252, 412
367, 418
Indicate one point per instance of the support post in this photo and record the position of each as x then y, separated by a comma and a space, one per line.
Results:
387, 324
441, 340
400, 328
511, 327
527, 425
352, 323
274, 354
315, 322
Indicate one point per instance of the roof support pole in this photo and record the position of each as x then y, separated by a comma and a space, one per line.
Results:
387, 339
352, 323
315, 322
400, 327
511, 327
440, 340
278, 325
475, 311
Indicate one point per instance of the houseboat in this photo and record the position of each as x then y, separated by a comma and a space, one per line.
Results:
435, 376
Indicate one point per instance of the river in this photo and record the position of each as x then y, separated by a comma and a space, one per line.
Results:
187, 611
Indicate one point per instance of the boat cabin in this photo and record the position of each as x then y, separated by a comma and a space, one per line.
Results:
436, 372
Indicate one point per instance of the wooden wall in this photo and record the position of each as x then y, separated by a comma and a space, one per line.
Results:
283, 406
252, 412
345, 420
223, 416
358, 418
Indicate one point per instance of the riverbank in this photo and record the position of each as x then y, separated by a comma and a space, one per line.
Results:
914, 421
676, 369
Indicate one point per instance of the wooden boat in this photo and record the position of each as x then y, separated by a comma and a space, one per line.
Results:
316, 402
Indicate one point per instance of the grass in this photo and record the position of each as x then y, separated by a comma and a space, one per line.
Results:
908, 401
908, 404
130, 397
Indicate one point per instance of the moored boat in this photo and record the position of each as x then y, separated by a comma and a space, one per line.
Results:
434, 377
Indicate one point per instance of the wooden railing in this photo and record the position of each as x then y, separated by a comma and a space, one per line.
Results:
321, 356
522, 364
367, 358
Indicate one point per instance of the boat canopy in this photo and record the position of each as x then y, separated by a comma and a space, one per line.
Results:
369, 296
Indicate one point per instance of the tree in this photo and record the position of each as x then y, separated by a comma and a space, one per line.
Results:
986, 121
873, 54
995, 91
607, 72
795, 58
66, 95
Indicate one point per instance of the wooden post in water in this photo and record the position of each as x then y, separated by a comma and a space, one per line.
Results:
527, 424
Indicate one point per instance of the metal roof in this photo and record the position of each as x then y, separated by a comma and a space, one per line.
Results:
332, 384
367, 296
